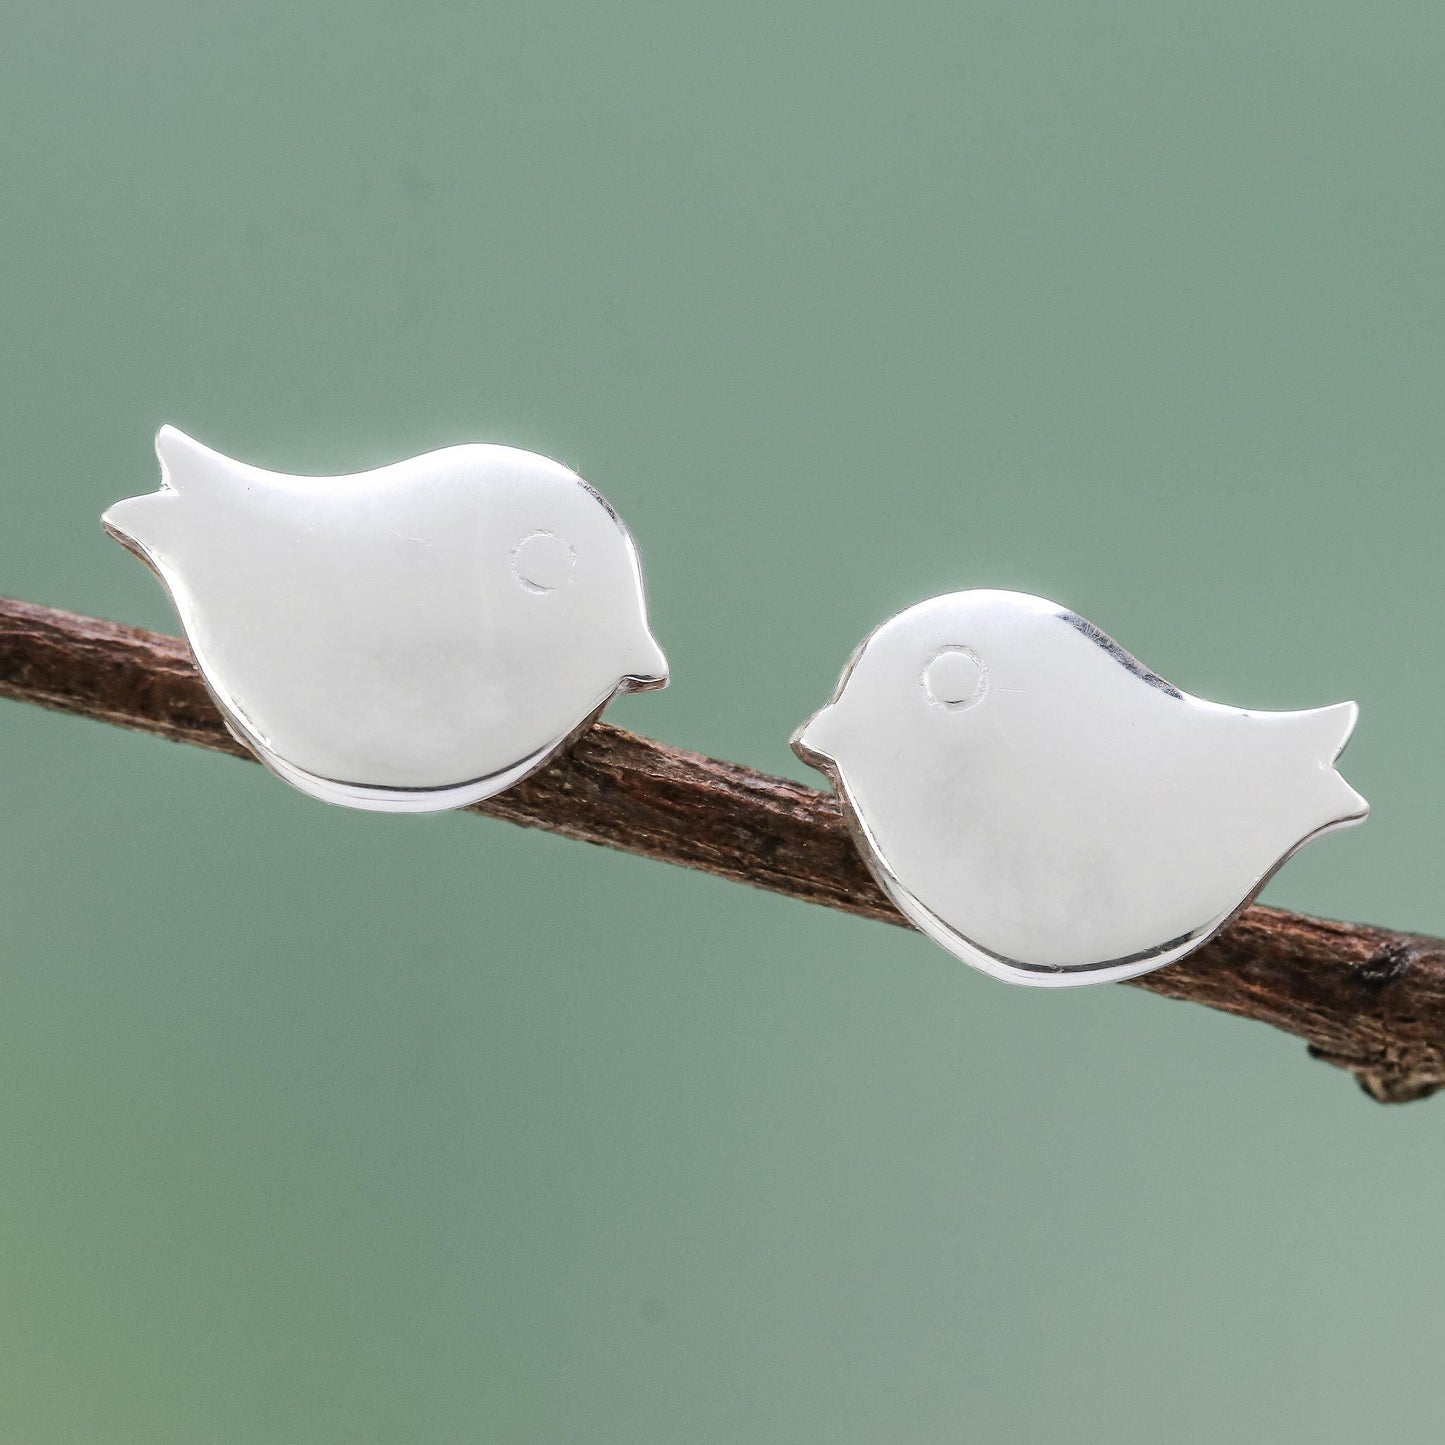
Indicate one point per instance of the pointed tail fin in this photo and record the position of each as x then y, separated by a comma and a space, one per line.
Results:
1324, 732
187, 466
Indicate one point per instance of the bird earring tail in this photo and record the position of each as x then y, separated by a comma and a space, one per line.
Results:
409, 639
1046, 808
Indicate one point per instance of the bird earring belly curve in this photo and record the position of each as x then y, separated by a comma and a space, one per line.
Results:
1043, 806
409, 639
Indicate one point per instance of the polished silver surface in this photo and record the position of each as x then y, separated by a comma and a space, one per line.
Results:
1049, 810
406, 640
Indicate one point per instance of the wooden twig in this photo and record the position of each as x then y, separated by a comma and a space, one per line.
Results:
1366, 999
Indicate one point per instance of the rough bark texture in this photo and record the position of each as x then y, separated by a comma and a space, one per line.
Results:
1366, 999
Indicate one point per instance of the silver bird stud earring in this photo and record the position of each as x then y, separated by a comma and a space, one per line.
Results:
408, 639
1042, 805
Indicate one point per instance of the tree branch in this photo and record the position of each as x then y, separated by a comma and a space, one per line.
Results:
1366, 999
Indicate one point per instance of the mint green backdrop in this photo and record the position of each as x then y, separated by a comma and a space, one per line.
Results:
324, 1127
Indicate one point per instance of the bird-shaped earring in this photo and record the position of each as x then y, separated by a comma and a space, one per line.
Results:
1042, 805
408, 639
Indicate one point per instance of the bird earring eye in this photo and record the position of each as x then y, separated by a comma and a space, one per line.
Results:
542, 562
1103, 824
367, 638
955, 678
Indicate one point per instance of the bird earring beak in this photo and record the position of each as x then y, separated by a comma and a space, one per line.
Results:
650, 672
813, 741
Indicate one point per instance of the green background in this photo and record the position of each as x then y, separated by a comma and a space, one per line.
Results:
319, 1126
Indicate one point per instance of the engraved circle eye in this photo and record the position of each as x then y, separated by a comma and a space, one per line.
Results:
955, 678
543, 562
